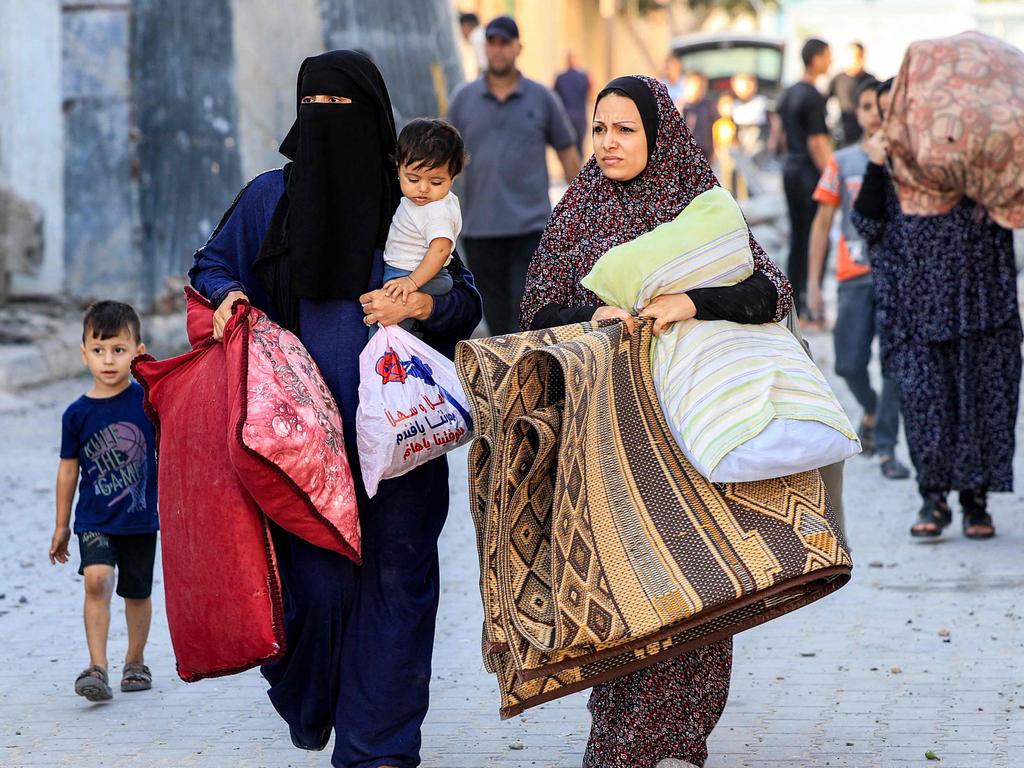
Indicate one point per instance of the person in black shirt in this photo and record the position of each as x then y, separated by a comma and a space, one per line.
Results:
802, 113
844, 88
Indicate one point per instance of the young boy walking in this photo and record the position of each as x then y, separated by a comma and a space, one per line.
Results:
108, 448
854, 331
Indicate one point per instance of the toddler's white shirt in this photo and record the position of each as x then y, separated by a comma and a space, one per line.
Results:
414, 226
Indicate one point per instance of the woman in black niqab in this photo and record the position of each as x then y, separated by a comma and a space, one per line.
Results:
343, 182
305, 244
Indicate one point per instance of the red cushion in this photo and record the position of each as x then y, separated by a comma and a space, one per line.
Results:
223, 593
198, 317
287, 444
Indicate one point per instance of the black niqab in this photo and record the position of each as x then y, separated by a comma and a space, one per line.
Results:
342, 185
640, 94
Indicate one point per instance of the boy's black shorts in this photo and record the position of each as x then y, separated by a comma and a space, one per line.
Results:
132, 554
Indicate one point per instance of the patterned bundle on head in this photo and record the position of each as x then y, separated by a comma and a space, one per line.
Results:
955, 127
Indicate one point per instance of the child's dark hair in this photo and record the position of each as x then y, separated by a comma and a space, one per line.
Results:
870, 84
431, 143
106, 319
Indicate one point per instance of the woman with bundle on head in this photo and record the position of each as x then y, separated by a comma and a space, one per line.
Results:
950, 333
645, 170
304, 243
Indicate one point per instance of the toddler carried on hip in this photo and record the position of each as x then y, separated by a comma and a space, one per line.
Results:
428, 220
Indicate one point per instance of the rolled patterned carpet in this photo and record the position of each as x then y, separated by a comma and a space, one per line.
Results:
602, 550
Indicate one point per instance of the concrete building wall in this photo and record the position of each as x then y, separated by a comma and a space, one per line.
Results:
627, 43
413, 44
186, 112
271, 39
133, 123
885, 27
101, 224
31, 125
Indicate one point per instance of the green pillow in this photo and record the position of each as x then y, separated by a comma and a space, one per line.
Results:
706, 245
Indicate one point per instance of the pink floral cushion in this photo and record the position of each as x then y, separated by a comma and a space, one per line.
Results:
289, 452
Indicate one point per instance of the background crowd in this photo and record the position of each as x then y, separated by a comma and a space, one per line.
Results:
822, 136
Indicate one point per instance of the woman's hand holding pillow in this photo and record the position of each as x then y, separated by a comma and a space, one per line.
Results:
223, 313
667, 309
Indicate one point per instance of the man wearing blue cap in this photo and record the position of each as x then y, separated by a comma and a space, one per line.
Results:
507, 121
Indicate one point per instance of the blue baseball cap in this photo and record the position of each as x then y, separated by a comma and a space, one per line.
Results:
504, 27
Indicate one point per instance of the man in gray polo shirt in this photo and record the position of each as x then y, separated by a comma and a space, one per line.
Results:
507, 121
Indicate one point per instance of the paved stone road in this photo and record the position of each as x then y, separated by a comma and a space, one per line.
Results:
865, 678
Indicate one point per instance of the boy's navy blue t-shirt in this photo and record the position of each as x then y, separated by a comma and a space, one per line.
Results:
115, 445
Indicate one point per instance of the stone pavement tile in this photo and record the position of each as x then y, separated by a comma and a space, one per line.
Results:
840, 734
827, 700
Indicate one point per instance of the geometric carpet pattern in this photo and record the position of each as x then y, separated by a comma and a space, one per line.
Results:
601, 548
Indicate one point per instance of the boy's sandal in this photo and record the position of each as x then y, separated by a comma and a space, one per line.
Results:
977, 524
932, 518
93, 684
136, 677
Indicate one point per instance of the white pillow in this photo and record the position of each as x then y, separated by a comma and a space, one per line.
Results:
784, 447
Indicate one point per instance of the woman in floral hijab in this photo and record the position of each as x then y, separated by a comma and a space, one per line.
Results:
646, 168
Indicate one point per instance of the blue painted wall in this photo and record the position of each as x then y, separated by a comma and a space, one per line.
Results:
101, 245
183, 91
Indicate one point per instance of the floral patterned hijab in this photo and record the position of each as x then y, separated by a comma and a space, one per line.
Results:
597, 213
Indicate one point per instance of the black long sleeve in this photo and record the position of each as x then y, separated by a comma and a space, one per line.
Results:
554, 315
870, 202
753, 300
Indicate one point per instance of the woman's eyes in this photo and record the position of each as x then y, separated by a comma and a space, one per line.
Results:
328, 100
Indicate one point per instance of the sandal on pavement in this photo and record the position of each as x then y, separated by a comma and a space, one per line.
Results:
933, 516
978, 525
893, 469
977, 522
93, 684
136, 677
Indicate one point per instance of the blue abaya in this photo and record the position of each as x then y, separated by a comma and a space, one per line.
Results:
359, 638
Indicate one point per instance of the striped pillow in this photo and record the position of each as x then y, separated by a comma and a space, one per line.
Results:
722, 383
708, 244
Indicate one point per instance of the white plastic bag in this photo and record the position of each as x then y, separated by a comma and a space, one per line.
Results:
411, 406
